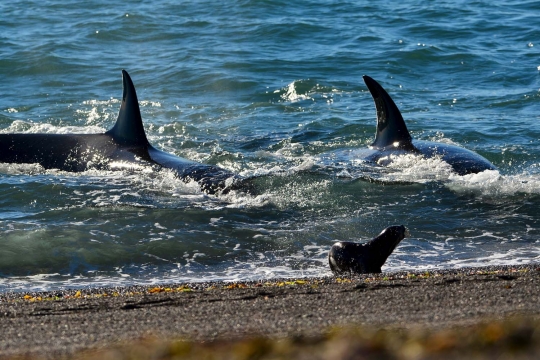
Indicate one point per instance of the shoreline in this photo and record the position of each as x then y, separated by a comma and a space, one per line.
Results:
64, 323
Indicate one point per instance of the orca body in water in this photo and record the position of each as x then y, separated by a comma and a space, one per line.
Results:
125, 143
392, 138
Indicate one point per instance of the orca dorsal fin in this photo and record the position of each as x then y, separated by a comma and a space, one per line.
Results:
391, 128
129, 129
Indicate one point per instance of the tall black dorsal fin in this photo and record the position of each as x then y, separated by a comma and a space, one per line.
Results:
391, 128
129, 129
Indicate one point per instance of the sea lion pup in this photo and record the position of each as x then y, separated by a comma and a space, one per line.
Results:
350, 257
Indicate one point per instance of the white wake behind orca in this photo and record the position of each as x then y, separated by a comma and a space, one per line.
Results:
126, 142
393, 139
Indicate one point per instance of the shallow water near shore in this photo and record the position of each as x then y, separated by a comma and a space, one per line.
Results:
268, 88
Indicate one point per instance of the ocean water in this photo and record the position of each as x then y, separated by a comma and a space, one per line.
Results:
268, 88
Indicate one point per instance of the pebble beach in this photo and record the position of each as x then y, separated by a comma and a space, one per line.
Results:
101, 322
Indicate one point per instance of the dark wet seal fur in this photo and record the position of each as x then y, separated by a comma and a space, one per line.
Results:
364, 258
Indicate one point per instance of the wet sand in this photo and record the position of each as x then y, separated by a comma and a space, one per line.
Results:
68, 322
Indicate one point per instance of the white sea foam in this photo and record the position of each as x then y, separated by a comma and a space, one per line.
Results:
21, 169
307, 90
292, 95
27, 127
492, 183
415, 168
418, 169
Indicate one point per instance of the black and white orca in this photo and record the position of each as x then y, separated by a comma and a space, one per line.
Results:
392, 139
126, 143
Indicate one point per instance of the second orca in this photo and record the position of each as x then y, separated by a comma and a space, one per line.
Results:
393, 139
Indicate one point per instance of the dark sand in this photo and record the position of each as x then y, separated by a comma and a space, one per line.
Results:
65, 323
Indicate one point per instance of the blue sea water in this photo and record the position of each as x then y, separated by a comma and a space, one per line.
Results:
267, 88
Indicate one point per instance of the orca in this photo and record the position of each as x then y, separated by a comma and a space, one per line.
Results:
347, 257
392, 138
125, 143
